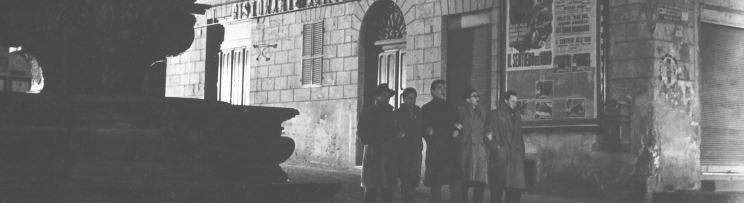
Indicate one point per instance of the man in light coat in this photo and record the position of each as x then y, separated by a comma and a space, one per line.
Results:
506, 159
376, 130
473, 151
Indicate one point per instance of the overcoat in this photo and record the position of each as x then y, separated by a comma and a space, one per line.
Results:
442, 162
506, 161
473, 151
376, 131
409, 121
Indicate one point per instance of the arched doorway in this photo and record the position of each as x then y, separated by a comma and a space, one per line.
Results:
382, 51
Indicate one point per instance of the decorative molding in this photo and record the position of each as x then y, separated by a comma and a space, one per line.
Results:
388, 21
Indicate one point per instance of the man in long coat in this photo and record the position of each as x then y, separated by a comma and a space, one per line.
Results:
441, 124
376, 130
409, 123
473, 151
506, 160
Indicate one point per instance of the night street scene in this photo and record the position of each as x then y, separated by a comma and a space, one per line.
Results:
366, 101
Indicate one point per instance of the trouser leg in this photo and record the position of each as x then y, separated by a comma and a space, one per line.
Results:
436, 193
407, 191
370, 195
387, 195
478, 192
497, 193
513, 195
456, 191
465, 187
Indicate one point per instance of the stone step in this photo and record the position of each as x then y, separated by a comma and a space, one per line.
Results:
698, 197
81, 191
722, 185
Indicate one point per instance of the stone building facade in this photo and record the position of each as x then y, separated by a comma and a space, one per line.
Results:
652, 67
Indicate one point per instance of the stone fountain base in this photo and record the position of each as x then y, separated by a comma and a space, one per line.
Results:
123, 149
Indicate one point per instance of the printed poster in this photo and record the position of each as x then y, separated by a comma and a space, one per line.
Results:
551, 34
530, 31
543, 110
575, 108
544, 89
552, 44
575, 32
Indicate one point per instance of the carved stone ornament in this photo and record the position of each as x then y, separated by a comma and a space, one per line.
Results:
388, 21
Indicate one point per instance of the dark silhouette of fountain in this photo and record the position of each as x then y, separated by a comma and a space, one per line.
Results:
92, 136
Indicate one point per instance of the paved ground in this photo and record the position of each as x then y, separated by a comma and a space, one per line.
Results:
352, 191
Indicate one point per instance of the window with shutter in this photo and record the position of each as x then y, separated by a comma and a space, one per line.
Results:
312, 54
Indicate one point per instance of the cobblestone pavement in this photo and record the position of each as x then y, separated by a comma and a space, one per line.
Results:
352, 192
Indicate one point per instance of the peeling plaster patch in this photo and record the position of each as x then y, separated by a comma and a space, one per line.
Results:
675, 91
670, 71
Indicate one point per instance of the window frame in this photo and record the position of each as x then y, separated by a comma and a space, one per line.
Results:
312, 54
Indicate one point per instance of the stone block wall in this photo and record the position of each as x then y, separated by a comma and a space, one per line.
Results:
325, 129
423, 45
186, 72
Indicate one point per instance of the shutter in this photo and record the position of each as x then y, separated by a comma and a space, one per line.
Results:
317, 68
307, 73
226, 77
722, 122
307, 40
312, 53
317, 53
237, 91
317, 39
219, 75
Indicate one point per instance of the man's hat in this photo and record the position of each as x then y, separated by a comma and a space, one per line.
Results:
384, 88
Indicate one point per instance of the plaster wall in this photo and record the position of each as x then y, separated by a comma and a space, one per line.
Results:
569, 165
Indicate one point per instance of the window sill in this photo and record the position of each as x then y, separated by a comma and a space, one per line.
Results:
311, 86
562, 126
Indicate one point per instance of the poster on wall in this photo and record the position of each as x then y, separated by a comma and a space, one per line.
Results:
522, 107
543, 110
544, 89
553, 45
530, 30
575, 108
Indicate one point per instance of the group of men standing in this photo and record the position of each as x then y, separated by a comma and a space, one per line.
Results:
466, 147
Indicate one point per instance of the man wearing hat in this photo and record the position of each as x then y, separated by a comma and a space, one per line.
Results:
376, 130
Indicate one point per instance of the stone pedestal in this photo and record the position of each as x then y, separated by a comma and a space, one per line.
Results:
123, 149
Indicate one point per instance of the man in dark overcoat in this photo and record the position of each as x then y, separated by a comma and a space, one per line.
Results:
473, 151
506, 159
376, 130
409, 123
441, 125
